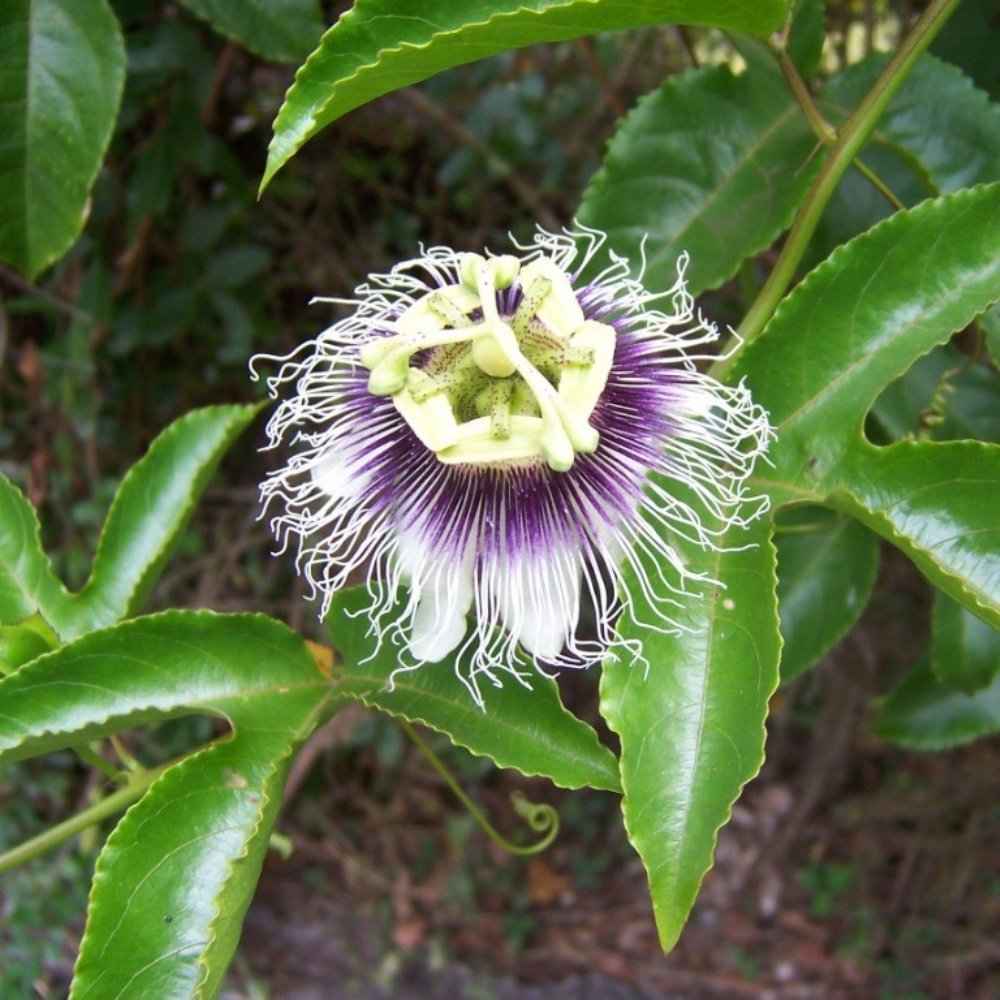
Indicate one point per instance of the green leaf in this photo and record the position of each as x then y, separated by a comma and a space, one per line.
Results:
27, 583
938, 134
528, 730
692, 725
376, 47
859, 320
924, 714
808, 36
176, 875
938, 117
965, 651
827, 566
712, 164
969, 39
145, 522
282, 30
938, 503
63, 71
971, 405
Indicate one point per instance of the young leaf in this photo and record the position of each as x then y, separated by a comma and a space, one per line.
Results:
377, 47
692, 725
965, 651
528, 730
924, 714
283, 30
147, 517
63, 71
175, 878
826, 570
151, 508
859, 320
711, 163
27, 583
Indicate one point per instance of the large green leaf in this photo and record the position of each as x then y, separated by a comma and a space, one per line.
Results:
826, 570
283, 30
529, 730
379, 46
925, 714
712, 164
859, 320
692, 725
938, 503
965, 651
145, 522
62, 68
176, 875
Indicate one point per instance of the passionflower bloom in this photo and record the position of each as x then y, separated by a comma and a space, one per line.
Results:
494, 434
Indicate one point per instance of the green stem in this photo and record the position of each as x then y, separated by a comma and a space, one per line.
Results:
851, 137
541, 818
90, 756
113, 803
825, 132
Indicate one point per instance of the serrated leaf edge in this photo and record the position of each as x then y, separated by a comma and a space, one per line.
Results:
840, 491
369, 699
240, 416
667, 942
599, 183
832, 264
195, 707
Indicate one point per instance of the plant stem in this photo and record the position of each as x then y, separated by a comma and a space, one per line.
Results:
89, 755
108, 806
818, 123
851, 137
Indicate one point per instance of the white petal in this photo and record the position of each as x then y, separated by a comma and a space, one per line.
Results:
334, 475
539, 601
444, 596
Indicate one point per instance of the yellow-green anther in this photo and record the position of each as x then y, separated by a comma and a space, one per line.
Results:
452, 315
530, 303
577, 357
376, 350
559, 310
389, 375
431, 419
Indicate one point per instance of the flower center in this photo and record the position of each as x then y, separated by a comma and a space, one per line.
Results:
481, 386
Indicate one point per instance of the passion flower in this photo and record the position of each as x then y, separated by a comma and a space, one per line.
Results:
497, 435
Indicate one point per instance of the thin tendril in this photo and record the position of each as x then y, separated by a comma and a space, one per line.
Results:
541, 817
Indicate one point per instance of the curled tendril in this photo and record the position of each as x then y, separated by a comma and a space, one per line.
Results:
541, 817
